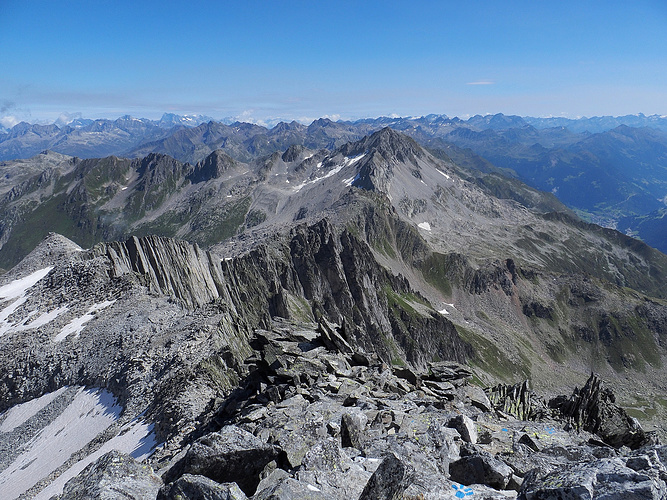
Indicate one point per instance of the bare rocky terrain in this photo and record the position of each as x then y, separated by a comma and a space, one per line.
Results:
324, 324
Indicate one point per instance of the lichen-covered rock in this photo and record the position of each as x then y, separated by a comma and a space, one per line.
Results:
605, 478
481, 468
325, 455
447, 371
476, 397
231, 455
352, 429
466, 428
291, 489
200, 488
518, 400
115, 476
389, 481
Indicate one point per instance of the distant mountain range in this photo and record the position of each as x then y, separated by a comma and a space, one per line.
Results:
81, 136
610, 170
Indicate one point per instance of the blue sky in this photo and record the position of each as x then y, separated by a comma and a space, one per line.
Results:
261, 60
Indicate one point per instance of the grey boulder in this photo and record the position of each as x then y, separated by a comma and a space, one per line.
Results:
389, 481
231, 455
200, 488
609, 479
114, 476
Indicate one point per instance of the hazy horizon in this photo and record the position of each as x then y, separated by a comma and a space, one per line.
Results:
66, 118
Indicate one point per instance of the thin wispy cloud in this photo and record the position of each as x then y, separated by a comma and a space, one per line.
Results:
482, 82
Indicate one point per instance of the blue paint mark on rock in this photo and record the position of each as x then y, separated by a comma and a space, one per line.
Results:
462, 491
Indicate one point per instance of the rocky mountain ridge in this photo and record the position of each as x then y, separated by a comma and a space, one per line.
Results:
315, 417
180, 402
357, 275
449, 239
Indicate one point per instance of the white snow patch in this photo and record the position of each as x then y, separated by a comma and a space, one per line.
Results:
77, 324
347, 161
331, 172
20, 413
89, 413
41, 320
353, 160
424, 225
5, 325
444, 310
17, 288
351, 180
446, 176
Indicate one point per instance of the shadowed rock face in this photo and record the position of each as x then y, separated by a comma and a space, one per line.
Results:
211, 167
333, 270
233, 455
594, 409
389, 481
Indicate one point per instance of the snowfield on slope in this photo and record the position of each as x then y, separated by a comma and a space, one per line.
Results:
16, 291
347, 161
77, 324
53, 442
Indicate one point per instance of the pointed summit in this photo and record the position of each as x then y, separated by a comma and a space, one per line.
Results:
212, 167
390, 144
383, 152
293, 152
